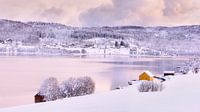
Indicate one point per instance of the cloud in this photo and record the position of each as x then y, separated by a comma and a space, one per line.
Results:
103, 12
60, 11
143, 12
179, 7
53, 14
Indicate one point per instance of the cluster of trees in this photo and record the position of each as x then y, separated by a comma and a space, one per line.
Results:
120, 44
191, 65
88, 34
51, 90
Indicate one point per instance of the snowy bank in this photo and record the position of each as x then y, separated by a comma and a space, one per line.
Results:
181, 94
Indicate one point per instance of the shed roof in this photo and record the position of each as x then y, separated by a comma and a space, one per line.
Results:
169, 72
149, 73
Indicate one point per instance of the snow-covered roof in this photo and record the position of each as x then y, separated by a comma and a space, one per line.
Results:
149, 73
169, 72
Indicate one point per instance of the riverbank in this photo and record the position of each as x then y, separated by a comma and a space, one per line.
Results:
181, 94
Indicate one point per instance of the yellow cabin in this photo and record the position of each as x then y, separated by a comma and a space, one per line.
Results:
146, 76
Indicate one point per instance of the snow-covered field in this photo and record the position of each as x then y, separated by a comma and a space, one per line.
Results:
181, 94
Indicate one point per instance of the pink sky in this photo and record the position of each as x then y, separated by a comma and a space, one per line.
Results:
103, 12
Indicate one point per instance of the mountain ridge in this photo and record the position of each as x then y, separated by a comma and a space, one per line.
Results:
178, 40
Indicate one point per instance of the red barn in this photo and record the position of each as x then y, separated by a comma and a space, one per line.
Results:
39, 98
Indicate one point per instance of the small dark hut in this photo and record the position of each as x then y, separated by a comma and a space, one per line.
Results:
169, 73
39, 98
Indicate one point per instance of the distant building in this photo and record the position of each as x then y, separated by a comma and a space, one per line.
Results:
39, 98
169, 73
147, 75
9, 41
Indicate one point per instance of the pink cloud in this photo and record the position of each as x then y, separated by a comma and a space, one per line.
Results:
103, 12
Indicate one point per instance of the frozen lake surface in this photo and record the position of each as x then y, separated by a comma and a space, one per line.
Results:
21, 77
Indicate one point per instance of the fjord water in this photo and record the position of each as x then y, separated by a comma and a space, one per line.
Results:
21, 77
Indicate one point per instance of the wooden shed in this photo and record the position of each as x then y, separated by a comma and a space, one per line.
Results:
39, 98
147, 75
169, 73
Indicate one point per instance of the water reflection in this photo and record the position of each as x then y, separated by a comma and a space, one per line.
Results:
126, 69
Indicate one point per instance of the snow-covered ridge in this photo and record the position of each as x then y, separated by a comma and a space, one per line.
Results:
38, 38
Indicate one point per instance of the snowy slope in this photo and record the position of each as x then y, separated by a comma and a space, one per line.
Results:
181, 94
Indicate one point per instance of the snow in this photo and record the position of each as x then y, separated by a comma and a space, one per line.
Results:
154, 41
181, 94
149, 73
169, 72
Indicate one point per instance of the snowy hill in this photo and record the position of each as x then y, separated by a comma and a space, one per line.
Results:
181, 94
38, 38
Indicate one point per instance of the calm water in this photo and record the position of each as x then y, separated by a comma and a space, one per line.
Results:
21, 76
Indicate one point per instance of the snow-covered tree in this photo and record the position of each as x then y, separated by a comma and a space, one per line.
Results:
83, 51
77, 87
150, 86
117, 44
122, 43
67, 87
50, 89
86, 86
